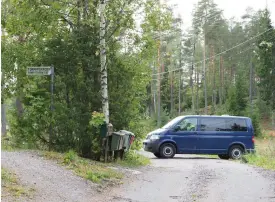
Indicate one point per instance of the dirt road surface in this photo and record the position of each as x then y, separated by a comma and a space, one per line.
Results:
186, 178
51, 182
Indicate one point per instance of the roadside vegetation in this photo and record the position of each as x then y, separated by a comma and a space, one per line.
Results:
133, 159
265, 154
95, 171
91, 170
11, 187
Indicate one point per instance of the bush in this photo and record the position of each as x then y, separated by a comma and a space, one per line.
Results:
70, 157
255, 117
141, 128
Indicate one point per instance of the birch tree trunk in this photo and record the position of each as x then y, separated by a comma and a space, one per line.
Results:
103, 66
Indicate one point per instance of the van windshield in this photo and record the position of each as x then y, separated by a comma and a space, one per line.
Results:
172, 122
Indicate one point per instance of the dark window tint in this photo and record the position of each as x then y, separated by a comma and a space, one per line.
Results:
236, 125
213, 124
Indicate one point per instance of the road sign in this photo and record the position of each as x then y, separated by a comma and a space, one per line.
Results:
39, 71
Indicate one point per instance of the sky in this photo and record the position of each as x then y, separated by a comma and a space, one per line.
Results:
231, 8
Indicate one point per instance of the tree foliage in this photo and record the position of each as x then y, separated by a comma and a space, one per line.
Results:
65, 34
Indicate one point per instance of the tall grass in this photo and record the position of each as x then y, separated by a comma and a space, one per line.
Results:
265, 154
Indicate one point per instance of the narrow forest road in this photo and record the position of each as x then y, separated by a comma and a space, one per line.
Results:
186, 178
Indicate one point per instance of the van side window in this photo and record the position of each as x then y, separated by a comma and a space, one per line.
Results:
213, 124
236, 125
188, 124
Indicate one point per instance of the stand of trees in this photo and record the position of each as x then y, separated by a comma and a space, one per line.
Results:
154, 69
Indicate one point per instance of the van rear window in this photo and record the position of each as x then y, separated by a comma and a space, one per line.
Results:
236, 125
223, 124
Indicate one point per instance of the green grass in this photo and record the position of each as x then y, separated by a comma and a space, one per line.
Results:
11, 186
6, 144
133, 159
265, 154
91, 170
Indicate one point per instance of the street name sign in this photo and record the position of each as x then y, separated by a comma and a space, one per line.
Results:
39, 71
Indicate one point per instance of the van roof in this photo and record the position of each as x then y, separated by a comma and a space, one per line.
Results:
217, 116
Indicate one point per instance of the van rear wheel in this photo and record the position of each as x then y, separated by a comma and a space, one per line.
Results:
236, 152
223, 156
167, 150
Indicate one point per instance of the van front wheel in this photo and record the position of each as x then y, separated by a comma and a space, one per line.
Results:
236, 152
167, 150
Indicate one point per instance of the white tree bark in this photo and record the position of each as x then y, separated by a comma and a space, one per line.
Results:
103, 66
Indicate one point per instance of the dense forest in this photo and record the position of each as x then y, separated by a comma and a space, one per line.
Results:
156, 70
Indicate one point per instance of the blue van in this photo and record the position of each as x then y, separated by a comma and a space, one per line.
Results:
226, 136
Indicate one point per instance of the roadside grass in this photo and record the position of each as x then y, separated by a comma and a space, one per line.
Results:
11, 186
95, 171
133, 159
210, 156
6, 144
265, 154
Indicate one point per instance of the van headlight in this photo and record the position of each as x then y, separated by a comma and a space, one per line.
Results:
154, 137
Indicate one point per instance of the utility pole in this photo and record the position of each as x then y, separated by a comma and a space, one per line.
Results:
204, 68
220, 81
103, 71
191, 75
52, 100
214, 80
3, 110
180, 92
171, 92
250, 88
273, 92
152, 91
159, 83
180, 74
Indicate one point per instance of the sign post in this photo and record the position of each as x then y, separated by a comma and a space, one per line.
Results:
45, 71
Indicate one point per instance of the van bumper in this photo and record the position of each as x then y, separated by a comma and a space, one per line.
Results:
151, 146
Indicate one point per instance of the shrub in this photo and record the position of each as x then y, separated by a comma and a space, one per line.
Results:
70, 157
255, 117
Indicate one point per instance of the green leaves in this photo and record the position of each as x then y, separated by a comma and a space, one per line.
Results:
66, 35
97, 119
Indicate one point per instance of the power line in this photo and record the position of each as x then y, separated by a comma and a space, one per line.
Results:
220, 52
242, 52
249, 48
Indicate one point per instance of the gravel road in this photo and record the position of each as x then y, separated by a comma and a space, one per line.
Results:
186, 178
51, 182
